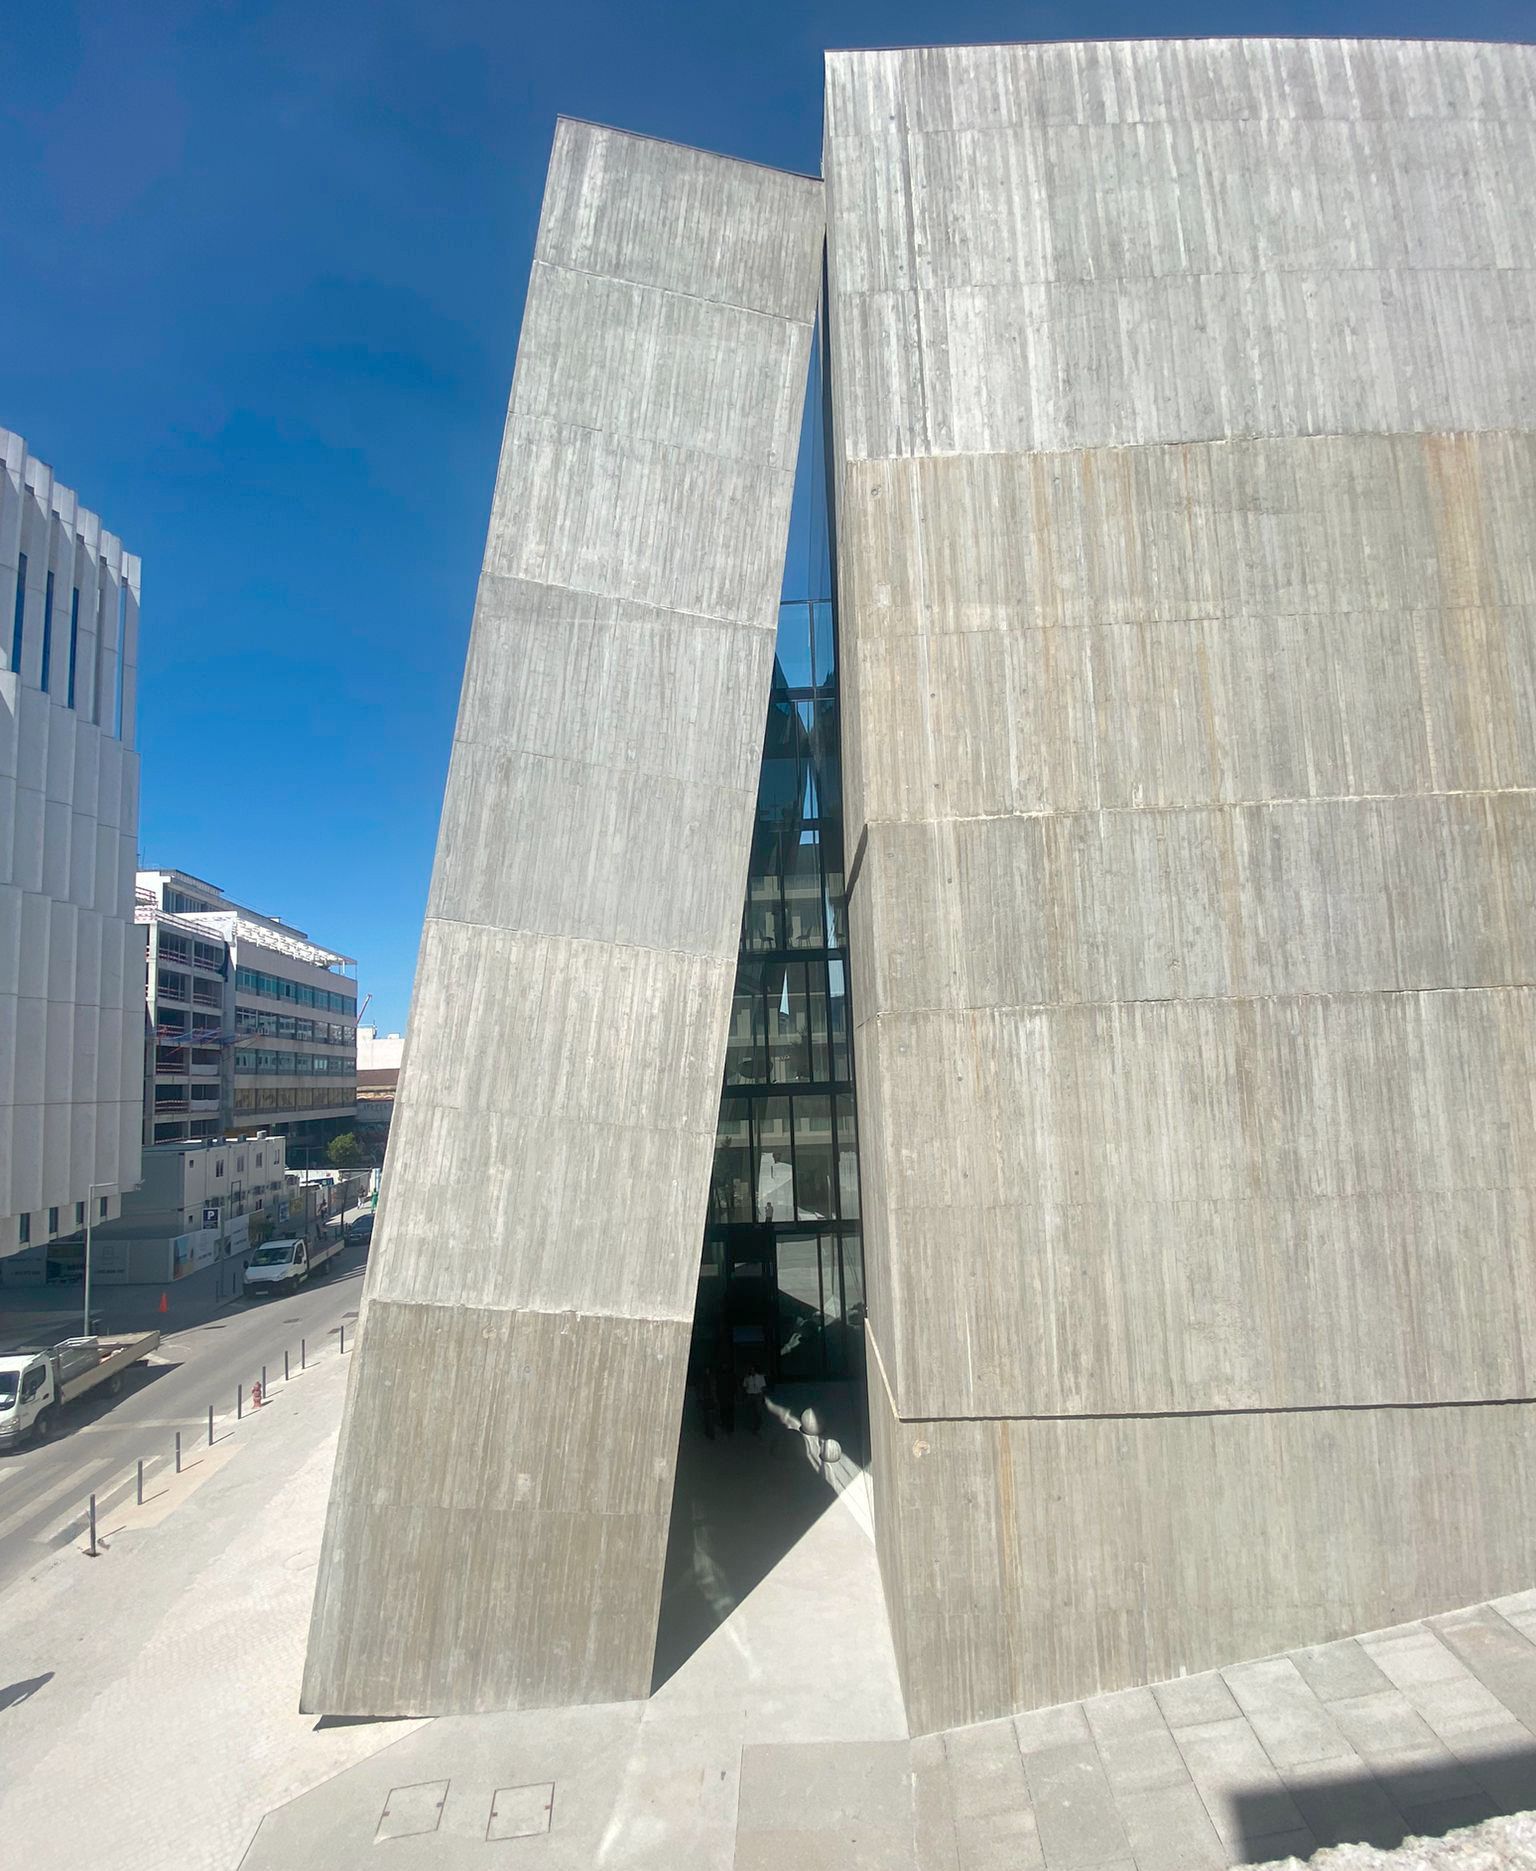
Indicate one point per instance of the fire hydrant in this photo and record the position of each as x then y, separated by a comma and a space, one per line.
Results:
256, 1395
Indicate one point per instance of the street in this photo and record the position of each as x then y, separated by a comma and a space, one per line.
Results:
44, 1489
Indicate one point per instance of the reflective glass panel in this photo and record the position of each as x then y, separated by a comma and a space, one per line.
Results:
813, 1159
801, 1319
731, 1186
775, 1169
847, 1160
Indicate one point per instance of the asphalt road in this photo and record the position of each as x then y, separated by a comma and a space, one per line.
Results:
44, 1488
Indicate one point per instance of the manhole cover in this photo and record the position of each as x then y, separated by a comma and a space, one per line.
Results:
520, 1812
410, 1811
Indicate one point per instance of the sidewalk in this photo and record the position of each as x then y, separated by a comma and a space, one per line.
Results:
148, 1715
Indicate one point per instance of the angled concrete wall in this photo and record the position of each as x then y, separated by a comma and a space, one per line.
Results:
499, 1514
1185, 413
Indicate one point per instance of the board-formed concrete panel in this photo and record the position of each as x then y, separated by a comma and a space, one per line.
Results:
499, 1515
1185, 431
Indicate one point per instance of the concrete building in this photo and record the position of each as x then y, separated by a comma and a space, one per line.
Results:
536, 1257
255, 1025
1184, 403
71, 1023
189, 1051
1179, 730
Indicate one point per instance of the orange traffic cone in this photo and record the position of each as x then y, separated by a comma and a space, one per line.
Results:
164, 1305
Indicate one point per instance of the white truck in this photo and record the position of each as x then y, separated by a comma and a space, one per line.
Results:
284, 1266
36, 1384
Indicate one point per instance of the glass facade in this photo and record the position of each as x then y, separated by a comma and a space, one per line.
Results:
782, 1282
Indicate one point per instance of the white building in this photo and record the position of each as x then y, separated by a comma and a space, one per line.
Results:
283, 1055
71, 1015
199, 1202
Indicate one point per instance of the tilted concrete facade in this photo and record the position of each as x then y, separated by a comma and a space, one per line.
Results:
499, 1514
1184, 400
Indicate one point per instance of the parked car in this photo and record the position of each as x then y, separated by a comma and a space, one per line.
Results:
360, 1231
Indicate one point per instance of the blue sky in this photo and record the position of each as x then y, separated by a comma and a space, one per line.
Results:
263, 273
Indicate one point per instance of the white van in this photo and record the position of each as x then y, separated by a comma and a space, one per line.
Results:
279, 1267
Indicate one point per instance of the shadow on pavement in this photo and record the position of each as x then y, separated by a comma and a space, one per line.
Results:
358, 1721
740, 1503
1423, 1800
13, 1693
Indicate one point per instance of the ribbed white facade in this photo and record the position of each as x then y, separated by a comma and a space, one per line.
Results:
71, 959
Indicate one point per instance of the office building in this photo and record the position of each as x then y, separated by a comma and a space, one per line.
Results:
255, 1025
71, 1020
1180, 435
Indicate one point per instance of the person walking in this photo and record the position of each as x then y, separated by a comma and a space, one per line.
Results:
753, 1385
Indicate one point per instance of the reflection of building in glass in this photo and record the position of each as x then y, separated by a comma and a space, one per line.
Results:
782, 1278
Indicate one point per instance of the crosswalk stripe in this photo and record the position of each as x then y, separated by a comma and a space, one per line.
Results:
80, 1482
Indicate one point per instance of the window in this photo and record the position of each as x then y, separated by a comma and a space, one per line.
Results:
122, 640
53, 1221
18, 627
279, 987
74, 643
168, 981
218, 1168
101, 641
79, 1214
174, 947
47, 631
24, 1229
101, 1208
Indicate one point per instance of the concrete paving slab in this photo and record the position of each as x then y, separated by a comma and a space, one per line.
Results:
1243, 1794
1074, 1808
1195, 1701
1285, 1714
1343, 1803
1337, 1671
986, 1769
1169, 1828
998, 1841
1502, 1658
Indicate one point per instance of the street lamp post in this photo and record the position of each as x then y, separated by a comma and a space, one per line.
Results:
90, 1216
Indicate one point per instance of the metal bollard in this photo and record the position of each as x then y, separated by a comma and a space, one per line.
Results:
210, 1425
343, 1341
285, 1367
263, 1383
178, 1451
139, 1494
91, 1549
301, 1354
239, 1401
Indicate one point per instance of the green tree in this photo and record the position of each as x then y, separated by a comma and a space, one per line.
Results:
344, 1151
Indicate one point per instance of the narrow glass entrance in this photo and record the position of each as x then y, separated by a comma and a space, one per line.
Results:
781, 1285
